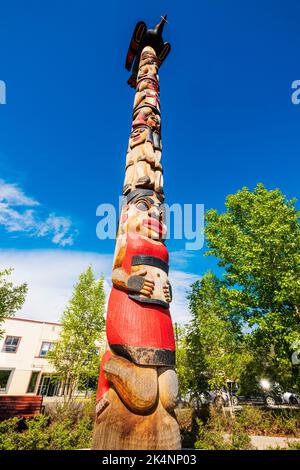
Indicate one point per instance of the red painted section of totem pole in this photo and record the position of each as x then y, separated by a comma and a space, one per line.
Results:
135, 324
103, 385
136, 245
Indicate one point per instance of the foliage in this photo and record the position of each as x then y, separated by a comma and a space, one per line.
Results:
294, 445
257, 241
182, 360
215, 348
188, 425
240, 441
73, 411
221, 432
75, 357
211, 440
254, 420
40, 434
214, 439
11, 297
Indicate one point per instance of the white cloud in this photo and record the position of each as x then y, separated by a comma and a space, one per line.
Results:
181, 258
181, 282
13, 195
51, 275
17, 216
59, 227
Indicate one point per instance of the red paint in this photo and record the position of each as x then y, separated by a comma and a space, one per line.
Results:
135, 324
155, 225
137, 245
130, 322
103, 386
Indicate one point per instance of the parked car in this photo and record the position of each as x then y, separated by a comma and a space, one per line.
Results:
291, 398
273, 394
216, 397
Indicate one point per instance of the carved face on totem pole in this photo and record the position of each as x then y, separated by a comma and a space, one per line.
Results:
147, 95
144, 215
147, 84
149, 69
138, 136
146, 116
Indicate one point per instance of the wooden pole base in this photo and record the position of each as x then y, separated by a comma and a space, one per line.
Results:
117, 428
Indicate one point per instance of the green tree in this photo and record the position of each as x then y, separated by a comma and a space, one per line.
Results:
216, 351
257, 241
75, 357
11, 297
182, 366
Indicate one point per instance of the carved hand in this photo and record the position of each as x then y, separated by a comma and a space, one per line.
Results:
138, 283
168, 292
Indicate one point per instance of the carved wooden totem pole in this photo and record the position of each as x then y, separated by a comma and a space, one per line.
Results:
138, 385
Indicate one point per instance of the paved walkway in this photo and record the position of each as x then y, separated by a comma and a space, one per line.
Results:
265, 442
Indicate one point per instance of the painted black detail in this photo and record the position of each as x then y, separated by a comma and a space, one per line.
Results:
145, 356
135, 283
147, 300
142, 192
149, 37
150, 261
171, 292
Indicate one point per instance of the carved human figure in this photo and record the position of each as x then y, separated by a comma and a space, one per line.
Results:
147, 97
143, 167
139, 326
142, 228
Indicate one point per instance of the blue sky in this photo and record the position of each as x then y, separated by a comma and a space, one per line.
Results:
228, 119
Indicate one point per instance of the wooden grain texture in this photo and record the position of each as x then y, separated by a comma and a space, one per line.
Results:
168, 387
138, 385
143, 160
118, 428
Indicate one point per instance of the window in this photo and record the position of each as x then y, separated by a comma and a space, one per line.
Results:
11, 344
49, 386
46, 347
32, 383
4, 378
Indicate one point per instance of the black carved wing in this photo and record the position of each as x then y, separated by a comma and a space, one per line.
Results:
138, 34
164, 52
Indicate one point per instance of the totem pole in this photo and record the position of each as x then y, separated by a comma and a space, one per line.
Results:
138, 385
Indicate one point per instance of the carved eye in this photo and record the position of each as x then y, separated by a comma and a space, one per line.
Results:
162, 214
142, 205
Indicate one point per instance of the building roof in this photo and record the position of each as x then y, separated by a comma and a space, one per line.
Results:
33, 321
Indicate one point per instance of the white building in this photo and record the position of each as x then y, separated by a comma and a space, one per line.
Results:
24, 368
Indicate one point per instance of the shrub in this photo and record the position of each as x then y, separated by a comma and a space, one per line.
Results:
59, 411
217, 440
188, 424
83, 434
9, 433
248, 420
36, 437
211, 440
240, 441
262, 421
294, 445
41, 434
